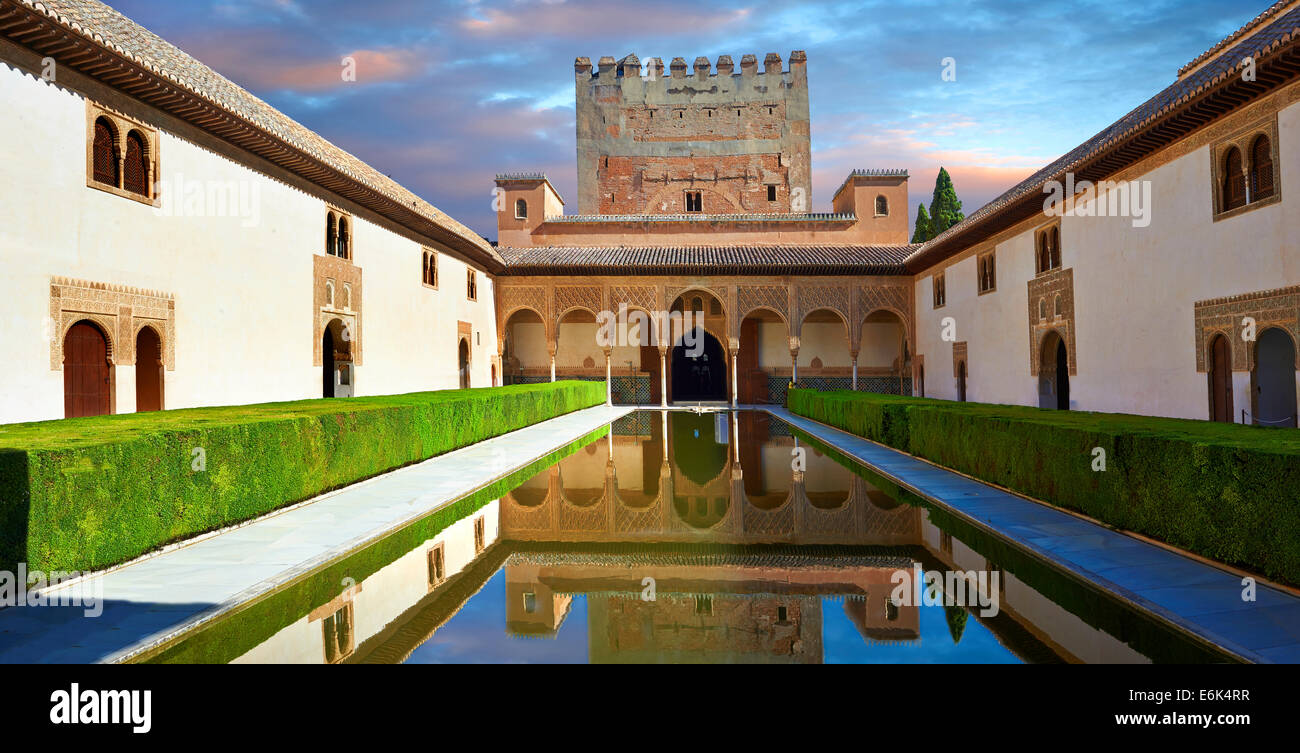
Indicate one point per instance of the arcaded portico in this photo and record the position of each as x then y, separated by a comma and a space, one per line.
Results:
760, 331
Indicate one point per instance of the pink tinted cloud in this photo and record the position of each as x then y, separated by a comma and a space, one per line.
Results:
262, 62
591, 20
979, 174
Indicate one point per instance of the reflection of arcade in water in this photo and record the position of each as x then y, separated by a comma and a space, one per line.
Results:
764, 608
683, 477
683, 538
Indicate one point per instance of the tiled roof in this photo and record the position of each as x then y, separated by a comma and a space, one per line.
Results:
104, 26
1253, 24
740, 260
1280, 34
706, 218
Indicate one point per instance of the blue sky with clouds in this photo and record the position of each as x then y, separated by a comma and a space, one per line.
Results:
450, 93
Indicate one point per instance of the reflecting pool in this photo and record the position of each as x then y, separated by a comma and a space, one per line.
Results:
682, 537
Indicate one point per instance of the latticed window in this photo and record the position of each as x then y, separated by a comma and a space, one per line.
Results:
987, 274
331, 234
1261, 169
345, 239
521, 209
105, 153
135, 176
1049, 250
1234, 181
882, 206
430, 269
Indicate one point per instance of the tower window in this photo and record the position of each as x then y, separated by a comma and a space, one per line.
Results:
694, 201
771, 193
521, 209
882, 206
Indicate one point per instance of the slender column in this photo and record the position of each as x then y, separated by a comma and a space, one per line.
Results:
735, 394
609, 380
552, 367
855, 372
664, 423
663, 378
794, 366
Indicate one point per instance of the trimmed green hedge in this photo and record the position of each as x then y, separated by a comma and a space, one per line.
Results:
1225, 491
86, 493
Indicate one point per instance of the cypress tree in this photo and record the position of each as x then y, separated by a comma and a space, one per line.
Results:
923, 230
945, 209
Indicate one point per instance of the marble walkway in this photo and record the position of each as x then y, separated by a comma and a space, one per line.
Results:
156, 598
1197, 597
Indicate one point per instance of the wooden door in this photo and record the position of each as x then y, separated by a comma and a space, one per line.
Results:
148, 371
85, 372
1220, 381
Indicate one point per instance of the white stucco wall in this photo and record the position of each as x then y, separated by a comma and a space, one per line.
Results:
1134, 294
242, 285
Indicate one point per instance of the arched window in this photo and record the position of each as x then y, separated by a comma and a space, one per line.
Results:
105, 153
1056, 248
135, 177
331, 235
345, 239
1044, 254
882, 206
347, 296
521, 209
329, 293
1042, 309
1261, 169
1057, 310
1234, 181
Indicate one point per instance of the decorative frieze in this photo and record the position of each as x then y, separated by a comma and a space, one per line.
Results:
118, 310
1267, 308
1051, 309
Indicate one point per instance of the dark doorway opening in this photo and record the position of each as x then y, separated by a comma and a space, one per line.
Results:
87, 377
1274, 379
700, 372
961, 381
1220, 380
148, 371
463, 361
327, 363
1062, 376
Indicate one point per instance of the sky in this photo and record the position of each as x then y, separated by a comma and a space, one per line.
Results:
448, 94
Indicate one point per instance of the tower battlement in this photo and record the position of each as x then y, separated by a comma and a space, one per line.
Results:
735, 139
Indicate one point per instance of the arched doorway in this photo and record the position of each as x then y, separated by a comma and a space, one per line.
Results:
1054, 373
148, 371
764, 351
87, 373
884, 360
337, 378
1220, 379
699, 368
462, 361
961, 381
1273, 379
327, 363
525, 358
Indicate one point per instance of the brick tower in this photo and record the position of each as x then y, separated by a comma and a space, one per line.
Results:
710, 141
